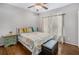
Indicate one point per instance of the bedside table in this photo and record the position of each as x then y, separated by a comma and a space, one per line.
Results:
1, 41
10, 40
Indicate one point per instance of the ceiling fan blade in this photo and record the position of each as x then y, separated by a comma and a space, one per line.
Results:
44, 7
31, 6
44, 3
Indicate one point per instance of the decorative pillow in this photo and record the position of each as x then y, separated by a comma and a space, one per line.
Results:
34, 29
29, 29
21, 30
25, 30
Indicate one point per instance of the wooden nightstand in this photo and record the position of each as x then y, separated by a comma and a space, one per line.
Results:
10, 40
1, 41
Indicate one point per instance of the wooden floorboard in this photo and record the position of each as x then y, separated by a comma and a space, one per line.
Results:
19, 49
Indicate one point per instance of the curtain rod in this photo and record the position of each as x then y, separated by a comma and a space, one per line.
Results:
53, 15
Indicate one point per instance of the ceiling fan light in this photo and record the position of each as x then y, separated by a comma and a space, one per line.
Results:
38, 7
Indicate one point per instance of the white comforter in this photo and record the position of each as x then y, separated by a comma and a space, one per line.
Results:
34, 40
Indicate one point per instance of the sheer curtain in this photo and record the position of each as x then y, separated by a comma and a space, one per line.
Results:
53, 25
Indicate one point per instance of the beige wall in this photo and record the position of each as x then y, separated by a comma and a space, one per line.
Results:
12, 17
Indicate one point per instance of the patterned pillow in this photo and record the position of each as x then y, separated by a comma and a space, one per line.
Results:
25, 30
29, 29
21, 30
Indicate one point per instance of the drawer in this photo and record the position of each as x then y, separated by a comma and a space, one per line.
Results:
10, 40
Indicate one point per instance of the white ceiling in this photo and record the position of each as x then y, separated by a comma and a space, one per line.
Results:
49, 5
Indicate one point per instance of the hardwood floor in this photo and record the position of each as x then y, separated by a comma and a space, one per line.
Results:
18, 49
67, 49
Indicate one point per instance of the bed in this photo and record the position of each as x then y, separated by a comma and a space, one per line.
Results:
33, 40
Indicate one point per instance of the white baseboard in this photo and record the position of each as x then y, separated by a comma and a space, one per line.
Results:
71, 44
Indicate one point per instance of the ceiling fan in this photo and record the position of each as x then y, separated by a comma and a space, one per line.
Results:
39, 5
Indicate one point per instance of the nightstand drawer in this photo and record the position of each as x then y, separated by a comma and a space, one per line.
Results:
10, 40
1, 41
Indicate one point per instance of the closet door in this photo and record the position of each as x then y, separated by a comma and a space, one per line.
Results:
45, 25
54, 24
50, 25
60, 25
